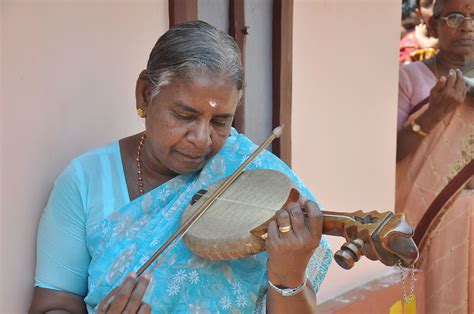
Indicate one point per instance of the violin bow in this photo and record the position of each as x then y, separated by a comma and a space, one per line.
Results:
185, 226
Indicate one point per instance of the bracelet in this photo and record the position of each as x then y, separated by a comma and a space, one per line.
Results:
288, 292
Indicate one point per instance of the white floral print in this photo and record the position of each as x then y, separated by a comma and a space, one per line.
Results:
225, 303
183, 282
193, 277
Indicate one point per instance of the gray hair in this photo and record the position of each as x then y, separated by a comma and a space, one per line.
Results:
189, 48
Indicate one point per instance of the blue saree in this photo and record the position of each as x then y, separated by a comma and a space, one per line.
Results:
183, 282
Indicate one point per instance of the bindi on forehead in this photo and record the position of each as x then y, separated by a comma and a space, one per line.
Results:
212, 103
468, 5
468, 10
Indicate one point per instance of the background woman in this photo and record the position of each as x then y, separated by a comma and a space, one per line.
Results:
433, 145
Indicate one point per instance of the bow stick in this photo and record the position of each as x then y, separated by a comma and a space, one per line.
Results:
184, 228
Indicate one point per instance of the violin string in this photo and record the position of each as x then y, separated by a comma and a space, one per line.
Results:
270, 209
241, 203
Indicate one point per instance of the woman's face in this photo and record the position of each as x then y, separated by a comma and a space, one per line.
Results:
460, 40
189, 122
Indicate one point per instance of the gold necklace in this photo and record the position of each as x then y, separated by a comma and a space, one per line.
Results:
138, 159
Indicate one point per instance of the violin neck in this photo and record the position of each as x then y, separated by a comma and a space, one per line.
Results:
334, 223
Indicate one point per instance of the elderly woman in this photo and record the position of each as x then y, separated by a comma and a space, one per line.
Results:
434, 144
111, 208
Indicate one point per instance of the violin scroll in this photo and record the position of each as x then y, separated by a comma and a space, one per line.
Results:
382, 236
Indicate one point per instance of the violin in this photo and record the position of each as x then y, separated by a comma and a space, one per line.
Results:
235, 228
221, 223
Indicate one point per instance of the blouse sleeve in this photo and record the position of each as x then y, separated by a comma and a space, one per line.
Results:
62, 257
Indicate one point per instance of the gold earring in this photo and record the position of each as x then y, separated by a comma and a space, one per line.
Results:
141, 113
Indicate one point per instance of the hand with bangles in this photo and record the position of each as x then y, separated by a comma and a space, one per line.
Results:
292, 239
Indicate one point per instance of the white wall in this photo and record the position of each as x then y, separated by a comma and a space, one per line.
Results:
345, 82
68, 81
214, 12
1, 141
258, 70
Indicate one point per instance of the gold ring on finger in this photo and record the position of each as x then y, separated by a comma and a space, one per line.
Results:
284, 229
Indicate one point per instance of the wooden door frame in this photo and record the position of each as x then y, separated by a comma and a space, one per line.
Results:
239, 31
182, 11
282, 75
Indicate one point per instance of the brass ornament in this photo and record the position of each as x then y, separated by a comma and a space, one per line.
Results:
141, 113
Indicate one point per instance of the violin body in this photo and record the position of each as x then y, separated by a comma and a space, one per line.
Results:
223, 233
235, 225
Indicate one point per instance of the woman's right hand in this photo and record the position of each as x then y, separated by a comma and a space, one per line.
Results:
448, 93
127, 298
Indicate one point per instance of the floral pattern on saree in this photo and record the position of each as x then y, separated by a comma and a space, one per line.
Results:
183, 282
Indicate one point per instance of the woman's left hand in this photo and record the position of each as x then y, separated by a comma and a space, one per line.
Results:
127, 298
289, 252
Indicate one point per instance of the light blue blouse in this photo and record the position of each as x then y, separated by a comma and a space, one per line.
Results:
90, 188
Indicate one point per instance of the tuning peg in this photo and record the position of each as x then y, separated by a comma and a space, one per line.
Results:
349, 253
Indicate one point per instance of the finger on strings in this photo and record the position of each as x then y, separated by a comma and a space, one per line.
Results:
315, 218
273, 234
302, 200
136, 298
284, 222
297, 218
144, 309
123, 293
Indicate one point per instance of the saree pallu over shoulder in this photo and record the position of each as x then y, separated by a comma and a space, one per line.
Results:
184, 283
447, 258
442, 154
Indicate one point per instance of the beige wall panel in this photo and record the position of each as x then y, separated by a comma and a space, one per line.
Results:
345, 76
68, 82
1, 146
